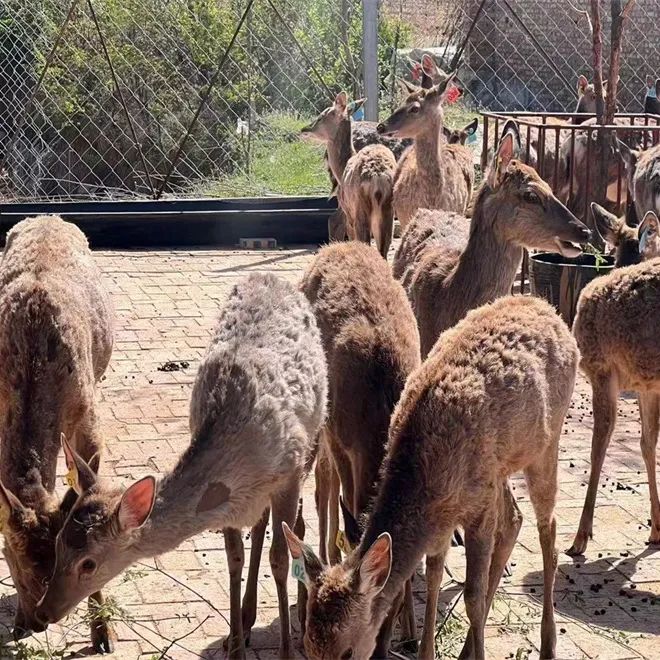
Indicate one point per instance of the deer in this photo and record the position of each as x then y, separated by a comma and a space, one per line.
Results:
514, 209
56, 339
631, 244
371, 344
614, 331
490, 400
643, 176
365, 177
460, 135
431, 174
257, 406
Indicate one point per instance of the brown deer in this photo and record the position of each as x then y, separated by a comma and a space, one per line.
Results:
615, 330
371, 344
56, 336
460, 135
257, 405
365, 177
514, 209
431, 174
631, 244
489, 401
643, 176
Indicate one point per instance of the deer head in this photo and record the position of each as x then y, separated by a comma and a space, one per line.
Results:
94, 544
344, 614
29, 549
649, 236
524, 208
618, 235
325, 127
460, 135
420, 107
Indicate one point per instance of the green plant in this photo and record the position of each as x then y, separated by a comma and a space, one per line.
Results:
599, 257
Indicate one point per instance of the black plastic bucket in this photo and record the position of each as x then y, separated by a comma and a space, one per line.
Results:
560, 280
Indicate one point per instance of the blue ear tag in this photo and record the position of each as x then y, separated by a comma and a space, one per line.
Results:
472, 137
298, 569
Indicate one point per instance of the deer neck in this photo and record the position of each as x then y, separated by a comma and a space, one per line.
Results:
340, 149
487, 268
428, 148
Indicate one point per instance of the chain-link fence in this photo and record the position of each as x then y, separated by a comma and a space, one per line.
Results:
144, 98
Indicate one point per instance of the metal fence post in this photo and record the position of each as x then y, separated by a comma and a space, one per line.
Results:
370, 57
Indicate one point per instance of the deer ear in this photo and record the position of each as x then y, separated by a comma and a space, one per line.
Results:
443, 85
80, 475
375, 566
446, 132
9, 503
406, 87
429, 67
341, 101
582, 84
507, 149
136, 504
629, 155
472, 127
607, 224
301, 552
351, 526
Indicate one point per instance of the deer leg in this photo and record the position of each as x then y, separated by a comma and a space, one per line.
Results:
407, 618
334, 554
322, 478
301, 605
235, 560
386, 228
509, 522
479, 543
101, 632
434, 570
605, 393
542, 484
285, 508
249, 609
649, 408
384, 636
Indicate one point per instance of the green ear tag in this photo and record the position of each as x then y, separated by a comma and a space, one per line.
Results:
298, 569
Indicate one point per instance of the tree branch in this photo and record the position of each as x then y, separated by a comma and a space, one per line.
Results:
630, 5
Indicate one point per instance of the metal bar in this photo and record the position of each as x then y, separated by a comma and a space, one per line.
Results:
556, 175
571, 172
618, 180
122, 100
524, 271
203, 101
588, 173
370, 57
11, 143
528, 145
541, 145
484, 146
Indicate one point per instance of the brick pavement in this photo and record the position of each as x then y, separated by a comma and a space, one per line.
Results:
608, 606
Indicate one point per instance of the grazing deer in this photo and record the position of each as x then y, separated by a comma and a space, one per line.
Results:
56, 336
615, 330
489, 401
643, 176
365, 178
371, 344
514, 209
432, 174
257, 405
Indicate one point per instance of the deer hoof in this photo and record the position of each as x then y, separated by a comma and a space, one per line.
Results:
102, 637
579, 545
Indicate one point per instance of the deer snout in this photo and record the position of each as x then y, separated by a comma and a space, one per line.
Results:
583, 232
381, 128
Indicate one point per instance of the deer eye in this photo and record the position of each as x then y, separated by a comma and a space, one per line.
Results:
413, 109
88, 566
347, 654
531, 198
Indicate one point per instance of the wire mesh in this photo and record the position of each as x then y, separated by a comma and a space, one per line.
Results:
119, 93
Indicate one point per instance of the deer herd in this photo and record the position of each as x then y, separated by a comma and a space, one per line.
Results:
412, 390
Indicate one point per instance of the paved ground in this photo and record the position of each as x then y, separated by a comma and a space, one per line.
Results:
608, 606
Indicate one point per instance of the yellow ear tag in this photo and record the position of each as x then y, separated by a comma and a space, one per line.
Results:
342, 543
70, 478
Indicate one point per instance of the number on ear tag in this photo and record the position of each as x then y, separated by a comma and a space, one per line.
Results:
298, 569
70, 478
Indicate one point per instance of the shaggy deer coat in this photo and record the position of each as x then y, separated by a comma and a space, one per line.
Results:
56, 336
